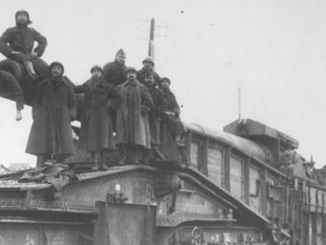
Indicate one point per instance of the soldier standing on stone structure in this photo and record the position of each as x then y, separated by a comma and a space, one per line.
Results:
53, 110
96, 133
132, 119
154, 116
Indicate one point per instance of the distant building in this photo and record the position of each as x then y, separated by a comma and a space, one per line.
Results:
4, 170
15, 167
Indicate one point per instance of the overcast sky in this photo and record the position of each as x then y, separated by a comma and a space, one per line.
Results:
274, 50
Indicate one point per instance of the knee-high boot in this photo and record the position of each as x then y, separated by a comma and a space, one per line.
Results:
95, 160
102, 163
40, 160
122, 155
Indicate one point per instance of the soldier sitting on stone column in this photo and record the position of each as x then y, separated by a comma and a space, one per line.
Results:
154, 116
171, 115
16, 43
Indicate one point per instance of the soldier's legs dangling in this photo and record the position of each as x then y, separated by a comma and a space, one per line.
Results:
19, 98
27, 62
11, 89
40, 66
30, 69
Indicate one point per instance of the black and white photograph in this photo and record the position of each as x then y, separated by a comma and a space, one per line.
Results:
151, 122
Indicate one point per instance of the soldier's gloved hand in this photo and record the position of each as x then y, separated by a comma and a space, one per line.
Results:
34, 53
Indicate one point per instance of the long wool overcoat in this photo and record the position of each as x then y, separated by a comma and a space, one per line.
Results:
53, 109
132, 114
96, 125
115, 73
159, 104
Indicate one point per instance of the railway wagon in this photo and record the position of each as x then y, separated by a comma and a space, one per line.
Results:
263, 170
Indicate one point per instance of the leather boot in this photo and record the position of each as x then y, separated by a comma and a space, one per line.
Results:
102, 166
95, 161
146, 153
122, 155
40, 160
137, 154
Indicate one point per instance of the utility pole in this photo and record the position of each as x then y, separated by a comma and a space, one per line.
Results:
151, 39
239, 103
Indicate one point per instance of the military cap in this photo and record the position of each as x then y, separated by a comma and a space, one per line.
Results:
149, 60
120, 52
165, 79
131, 68
56, 63
23, 12
97, 67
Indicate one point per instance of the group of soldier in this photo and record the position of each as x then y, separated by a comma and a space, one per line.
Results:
121, 107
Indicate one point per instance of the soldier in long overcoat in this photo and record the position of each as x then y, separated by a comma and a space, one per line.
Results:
96, 133
159, 104
53, 110
17, 43
154, 116
132, 118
